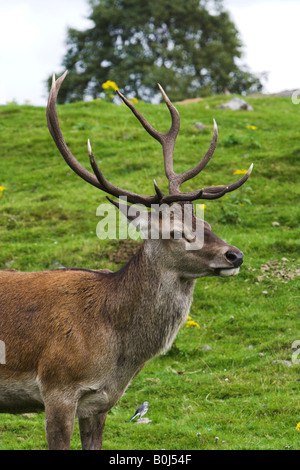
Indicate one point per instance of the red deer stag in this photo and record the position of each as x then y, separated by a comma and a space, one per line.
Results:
75, 338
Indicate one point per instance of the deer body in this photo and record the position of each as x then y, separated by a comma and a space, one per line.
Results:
78, 337
73, 322
75, 338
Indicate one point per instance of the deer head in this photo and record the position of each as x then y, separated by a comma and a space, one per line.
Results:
210, 256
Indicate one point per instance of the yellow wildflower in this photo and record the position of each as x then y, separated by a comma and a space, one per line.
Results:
202, 206
110, 85
251, 127
298, 427
2, 188
240, 172
190, 323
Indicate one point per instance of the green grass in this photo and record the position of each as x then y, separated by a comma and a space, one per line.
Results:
234, 391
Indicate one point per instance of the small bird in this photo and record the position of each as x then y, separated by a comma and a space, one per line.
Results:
141, 411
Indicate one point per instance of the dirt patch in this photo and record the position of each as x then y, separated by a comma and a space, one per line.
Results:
188, 101
283, 270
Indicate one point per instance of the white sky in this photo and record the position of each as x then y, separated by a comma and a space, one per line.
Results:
33, 34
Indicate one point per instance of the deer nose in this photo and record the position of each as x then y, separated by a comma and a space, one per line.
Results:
236, 259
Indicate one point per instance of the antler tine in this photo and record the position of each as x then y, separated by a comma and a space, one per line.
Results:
55, 131
153, 132
214, 192
167, 140
159, 192
211, 192
199, 167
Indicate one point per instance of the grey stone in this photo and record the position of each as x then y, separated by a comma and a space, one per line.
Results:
200, 126
285, 363
235, 104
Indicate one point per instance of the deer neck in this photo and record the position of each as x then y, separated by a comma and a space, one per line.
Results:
156, 301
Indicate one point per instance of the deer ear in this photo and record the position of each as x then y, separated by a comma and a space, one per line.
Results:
136, 216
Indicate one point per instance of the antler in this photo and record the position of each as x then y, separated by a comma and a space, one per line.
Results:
167, 140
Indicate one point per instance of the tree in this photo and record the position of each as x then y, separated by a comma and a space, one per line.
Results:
191, 47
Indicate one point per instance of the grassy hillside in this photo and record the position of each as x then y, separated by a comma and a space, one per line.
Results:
233, 395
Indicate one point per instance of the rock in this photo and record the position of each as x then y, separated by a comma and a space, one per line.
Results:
57, 265
235, 104
8, 264
143, 421
285, 363
200, 126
